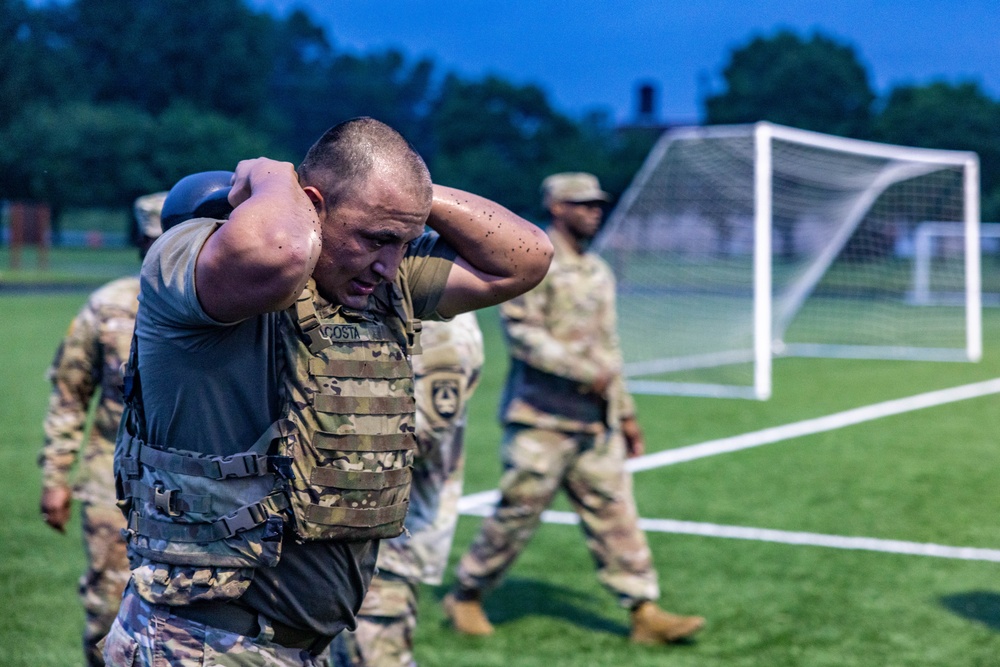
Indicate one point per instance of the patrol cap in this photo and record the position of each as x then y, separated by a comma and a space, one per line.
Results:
146, 210
576, 186
204, 194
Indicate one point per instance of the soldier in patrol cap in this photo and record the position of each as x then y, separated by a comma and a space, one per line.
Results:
569, 423
268, 435
87, 363
446, 373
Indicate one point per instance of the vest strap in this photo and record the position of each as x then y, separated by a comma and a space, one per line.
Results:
169, 501
305, 311
247, 464
364, 405
357, 442
245, 518
317, 341
413, 329
381, 370
129, 460
253, 463
305, 315
361, 479
356, 518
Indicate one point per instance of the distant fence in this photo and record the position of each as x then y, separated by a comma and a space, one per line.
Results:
30, 224
79, 238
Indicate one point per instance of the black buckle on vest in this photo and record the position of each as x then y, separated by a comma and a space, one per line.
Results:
128, 387
281, 466
164, 500
129, 462
413, 329
315, 340
130, 466
244, 518
240, 465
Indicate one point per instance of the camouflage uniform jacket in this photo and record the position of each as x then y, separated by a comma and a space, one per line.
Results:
447, 373
561, 336
88, 361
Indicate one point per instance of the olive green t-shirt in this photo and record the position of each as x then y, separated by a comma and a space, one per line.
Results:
214, 388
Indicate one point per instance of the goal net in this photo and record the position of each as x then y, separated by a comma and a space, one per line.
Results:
737, 244
938, 259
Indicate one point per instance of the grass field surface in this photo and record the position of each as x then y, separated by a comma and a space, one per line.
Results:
926, 476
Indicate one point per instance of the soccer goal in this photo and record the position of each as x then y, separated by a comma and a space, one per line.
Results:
738, 244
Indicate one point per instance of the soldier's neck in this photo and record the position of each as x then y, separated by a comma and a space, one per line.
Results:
579, 244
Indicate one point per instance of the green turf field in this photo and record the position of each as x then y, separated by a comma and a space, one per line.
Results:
929, 476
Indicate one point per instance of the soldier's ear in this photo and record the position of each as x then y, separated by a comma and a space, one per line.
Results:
317, 198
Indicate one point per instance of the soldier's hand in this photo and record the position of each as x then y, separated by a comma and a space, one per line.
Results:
249, 172
602, 382
55, 506
635, 444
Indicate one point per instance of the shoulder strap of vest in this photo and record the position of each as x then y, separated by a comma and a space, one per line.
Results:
307, 319
411, 326
312, 331
132, 391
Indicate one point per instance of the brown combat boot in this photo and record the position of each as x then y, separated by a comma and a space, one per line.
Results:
652, 625
467, 615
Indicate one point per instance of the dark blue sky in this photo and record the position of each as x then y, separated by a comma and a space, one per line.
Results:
592, 53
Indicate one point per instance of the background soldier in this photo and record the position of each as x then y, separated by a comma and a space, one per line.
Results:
568, 423
87, 365
446, 373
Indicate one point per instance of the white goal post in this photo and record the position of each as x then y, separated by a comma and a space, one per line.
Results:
736, 244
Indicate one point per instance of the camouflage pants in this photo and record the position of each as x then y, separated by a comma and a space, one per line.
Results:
107, 573
147, 635
386, 622
591, 469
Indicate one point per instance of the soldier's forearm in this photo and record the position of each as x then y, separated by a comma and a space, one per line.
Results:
56, 468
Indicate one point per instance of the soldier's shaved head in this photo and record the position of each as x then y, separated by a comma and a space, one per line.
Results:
352, 150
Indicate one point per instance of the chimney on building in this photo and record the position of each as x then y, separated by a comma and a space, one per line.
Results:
646, 112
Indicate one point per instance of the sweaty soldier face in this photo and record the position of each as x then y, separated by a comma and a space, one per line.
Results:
365, 237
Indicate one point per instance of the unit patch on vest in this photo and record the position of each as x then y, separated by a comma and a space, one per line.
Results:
445, 394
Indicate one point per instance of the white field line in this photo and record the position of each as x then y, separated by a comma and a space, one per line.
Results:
781, 536
481, 504
812, 426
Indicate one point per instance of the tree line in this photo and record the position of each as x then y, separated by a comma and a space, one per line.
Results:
817, 83
104, 100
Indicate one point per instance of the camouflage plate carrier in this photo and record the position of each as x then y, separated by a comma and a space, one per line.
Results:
336, 465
